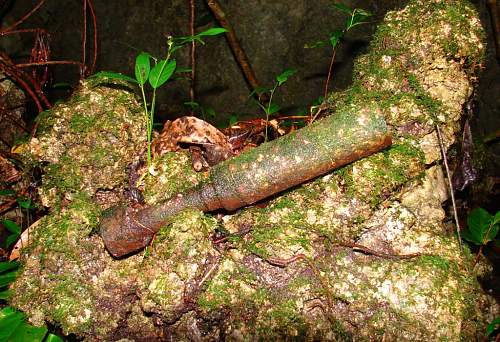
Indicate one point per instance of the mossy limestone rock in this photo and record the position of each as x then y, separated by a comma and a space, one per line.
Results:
314, 263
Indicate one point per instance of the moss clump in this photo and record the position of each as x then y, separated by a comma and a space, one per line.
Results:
174, 174
87, 142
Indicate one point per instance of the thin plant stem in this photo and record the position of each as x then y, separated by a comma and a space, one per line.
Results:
193, 50
147, 123
269, 108
24, 18
448, 175
84, 38
330, 71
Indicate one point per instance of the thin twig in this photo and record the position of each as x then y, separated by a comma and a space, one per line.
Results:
94, 25
24, 18
455, 214
84, 38
4, 33
370, 251
25, 65
239, 53
330, 71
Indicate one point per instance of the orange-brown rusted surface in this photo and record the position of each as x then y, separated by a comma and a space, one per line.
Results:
256, 174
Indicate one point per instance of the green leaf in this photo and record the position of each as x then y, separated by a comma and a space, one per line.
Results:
142, 67
492, 233
342, 8
13, 327
281, 78
335, 37
114, 75
10, 320
233, 119
212, 31
478, 223
357, 19
493, 326
496, 218
272, 108
319, 43
192, 104
161, 73
5, 294
7, 192
61, 85
53, 338
29, 333
8, 265
11, 239
182, 70
25, 203
210, 112
466, 234
6, 279
11, 226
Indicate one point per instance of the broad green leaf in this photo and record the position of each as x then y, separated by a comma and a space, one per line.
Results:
478, 222
342, 8
25, 203
161, 73
281, 78
466, 234
11, 226
5, 294
273, 108
10, 320
492, 326
11, 239
114, 75
6, 279
8, 265
26, 332
212, 31
13, 327
142, 67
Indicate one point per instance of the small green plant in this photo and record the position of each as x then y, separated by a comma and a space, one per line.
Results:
482, 227
270, 107
157, 76
493, 327
356, 17
13, 327
204, 112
